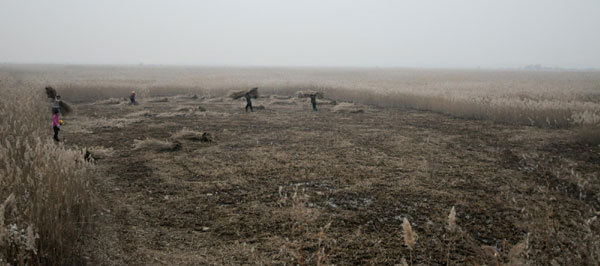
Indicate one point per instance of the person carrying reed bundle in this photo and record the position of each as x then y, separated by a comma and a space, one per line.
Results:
57, 104
313, 95
313, 101
248, 102
248, 94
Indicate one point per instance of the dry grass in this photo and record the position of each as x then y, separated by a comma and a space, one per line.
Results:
192, 135
173, 114
155, 145
99, 152
452, 220
283, 102
44, 188
348, 108
143, 113
112, 101
158, 100
102, 122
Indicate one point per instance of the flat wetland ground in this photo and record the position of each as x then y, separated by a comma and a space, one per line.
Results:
286, 185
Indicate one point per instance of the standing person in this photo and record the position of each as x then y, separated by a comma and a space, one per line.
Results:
248, 102
313, 101
56, 125
56, 105
132, 98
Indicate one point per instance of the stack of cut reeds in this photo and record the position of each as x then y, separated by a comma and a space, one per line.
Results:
310, 94
241, 93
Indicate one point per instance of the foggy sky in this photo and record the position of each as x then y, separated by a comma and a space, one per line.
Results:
404, 33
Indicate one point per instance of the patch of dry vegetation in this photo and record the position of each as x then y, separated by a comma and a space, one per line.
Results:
348, 108
143, 113
112, 101
45, 196
99, 153
283, 102
192, 135
103, 122
156, 145
158, 100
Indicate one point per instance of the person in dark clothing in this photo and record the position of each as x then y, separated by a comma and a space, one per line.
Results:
313, 101
132, 98
248, 102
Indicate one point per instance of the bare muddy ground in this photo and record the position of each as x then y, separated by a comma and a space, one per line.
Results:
285, 185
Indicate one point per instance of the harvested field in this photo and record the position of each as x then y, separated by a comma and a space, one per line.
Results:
288, 185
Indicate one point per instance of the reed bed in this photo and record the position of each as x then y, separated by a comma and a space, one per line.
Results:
45, 196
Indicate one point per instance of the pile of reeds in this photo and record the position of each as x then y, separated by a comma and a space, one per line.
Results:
327, 102
310, 94
242, 93
192, 135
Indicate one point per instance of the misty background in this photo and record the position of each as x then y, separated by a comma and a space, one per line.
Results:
462, 33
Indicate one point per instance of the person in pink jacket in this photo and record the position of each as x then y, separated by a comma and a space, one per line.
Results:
56, 125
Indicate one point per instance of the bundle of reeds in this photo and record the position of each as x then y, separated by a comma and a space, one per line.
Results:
65, 108
310, 94
51, 92
241, 93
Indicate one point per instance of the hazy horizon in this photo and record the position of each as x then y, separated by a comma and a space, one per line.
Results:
412, 34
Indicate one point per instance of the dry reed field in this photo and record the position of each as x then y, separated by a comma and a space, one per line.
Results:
398, 166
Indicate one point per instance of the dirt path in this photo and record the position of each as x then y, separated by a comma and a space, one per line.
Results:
288, 185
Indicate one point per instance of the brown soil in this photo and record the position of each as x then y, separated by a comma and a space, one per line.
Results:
289, 185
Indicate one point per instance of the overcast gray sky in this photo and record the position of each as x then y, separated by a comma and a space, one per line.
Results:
419, 33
